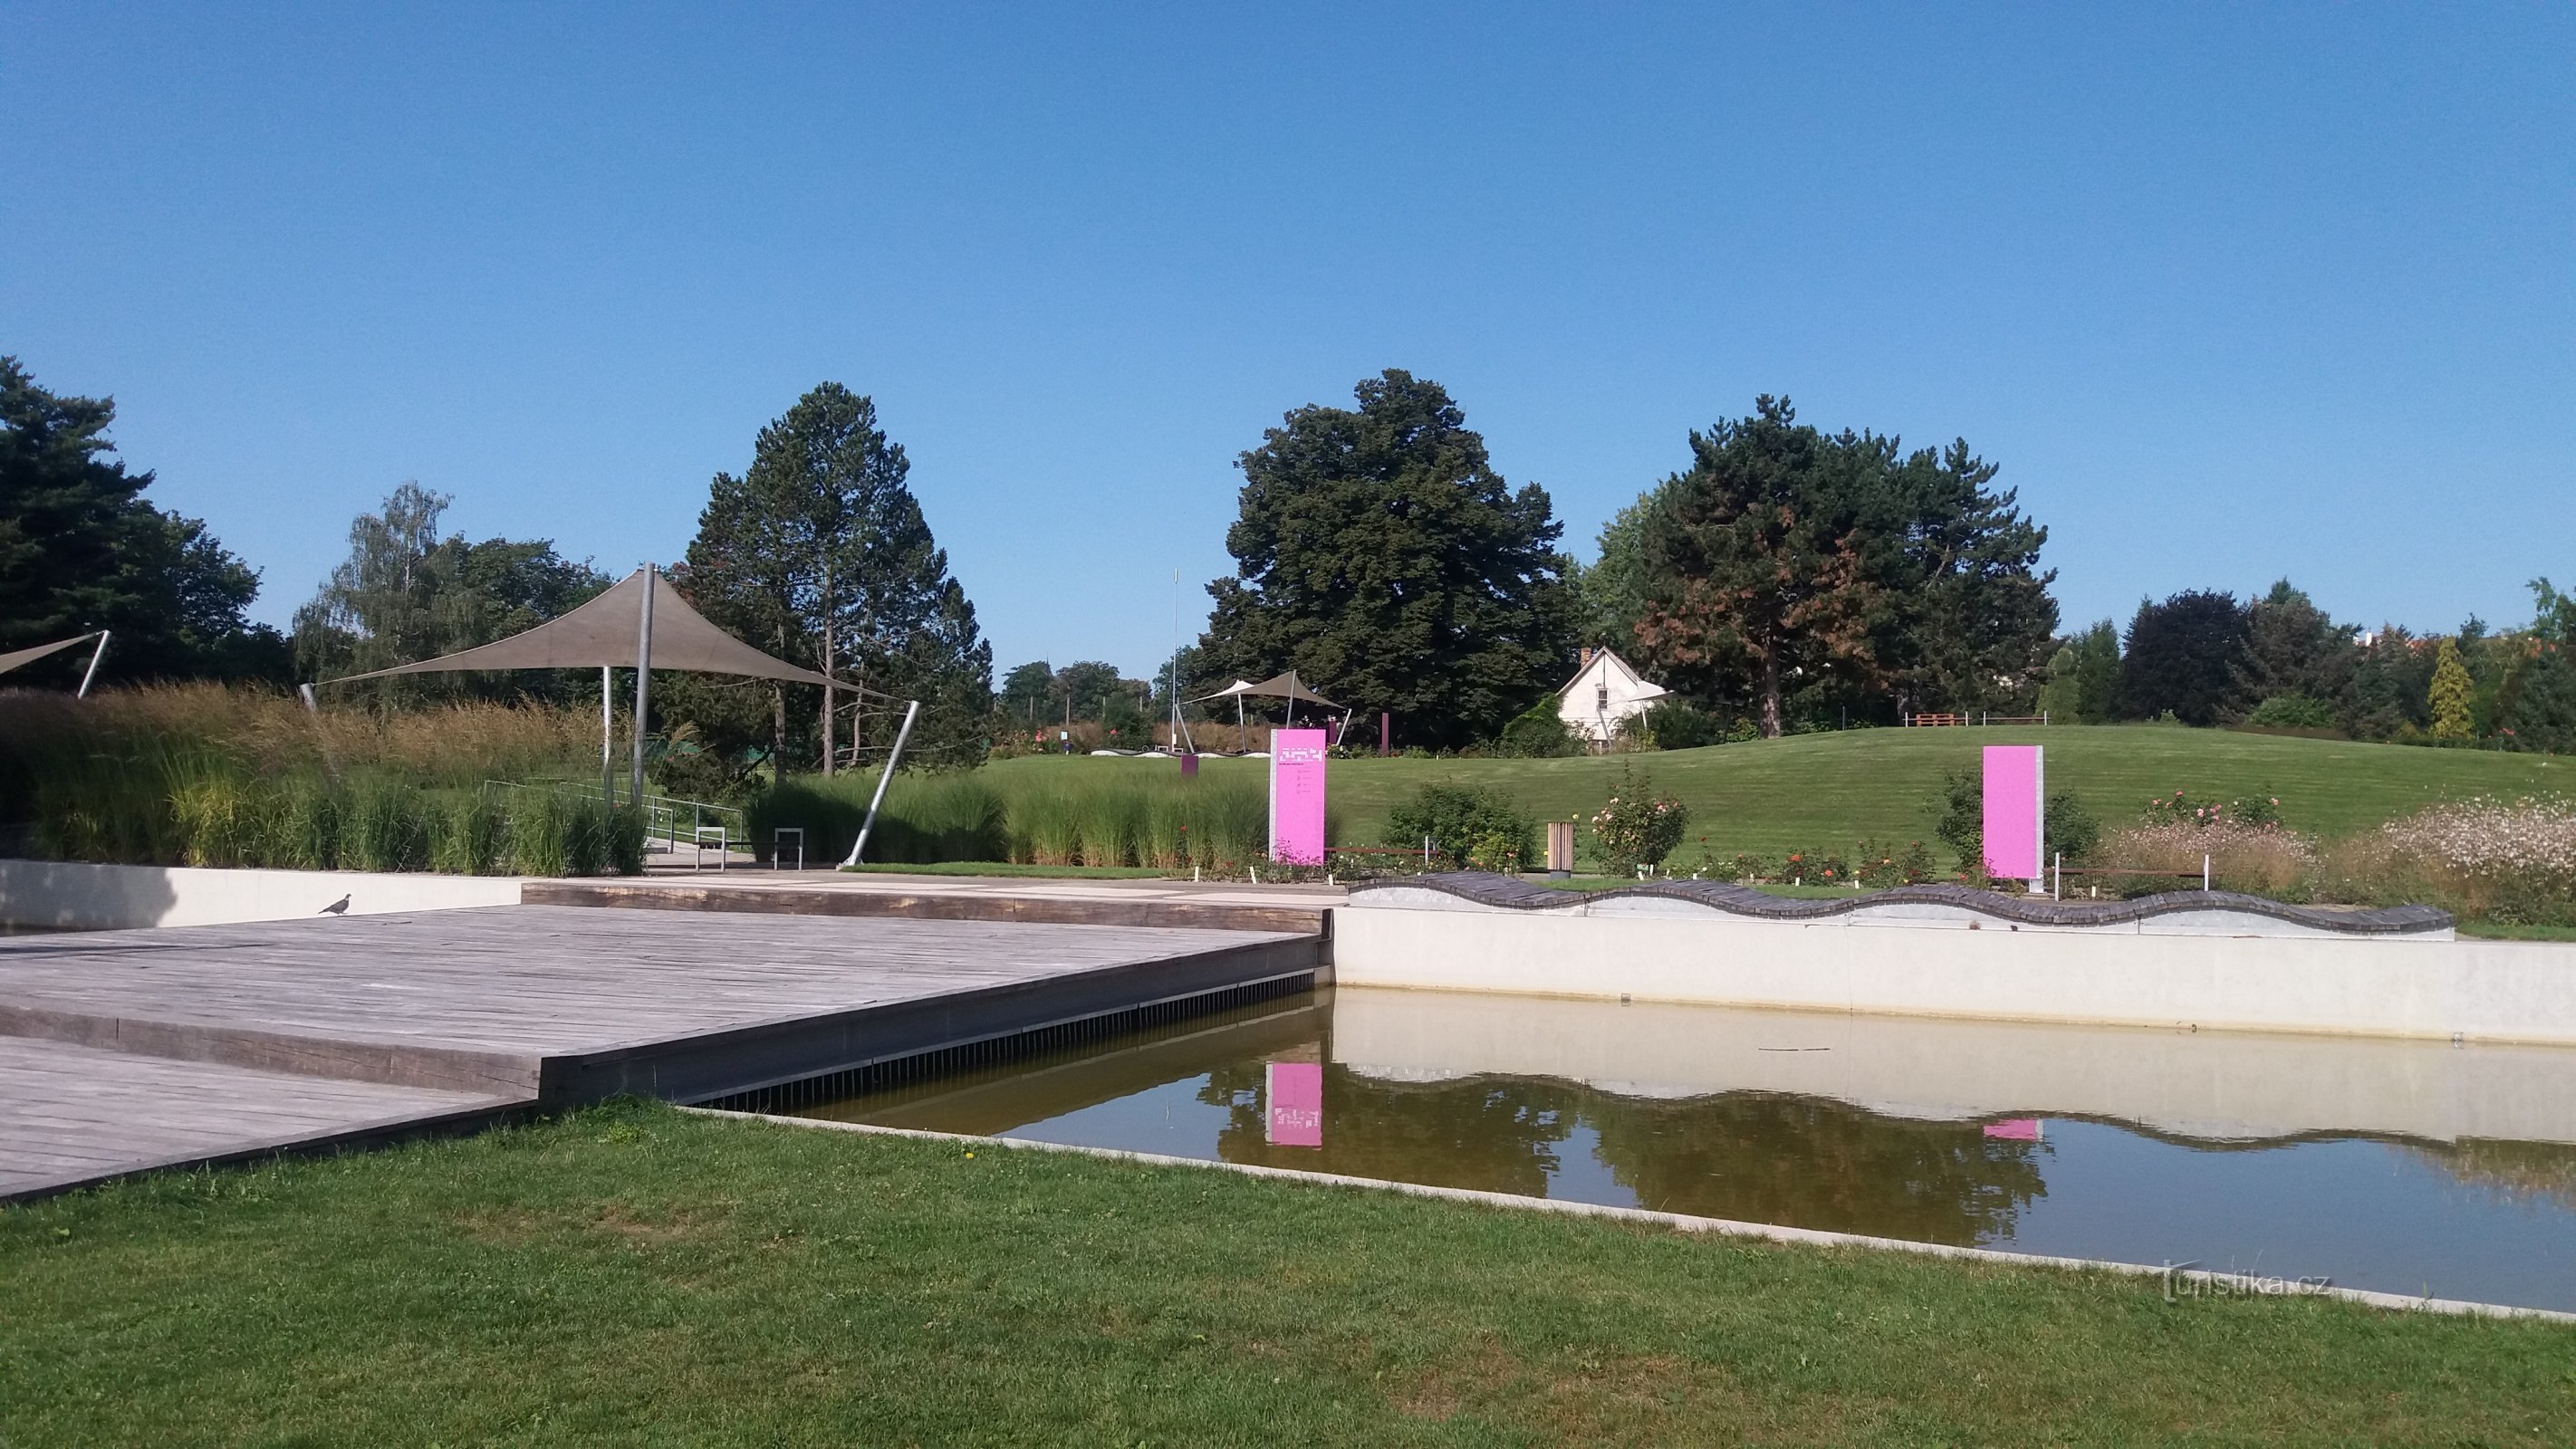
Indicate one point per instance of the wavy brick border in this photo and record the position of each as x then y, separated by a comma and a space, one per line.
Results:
1503, 892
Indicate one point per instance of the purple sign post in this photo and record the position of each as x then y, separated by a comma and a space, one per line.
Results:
1296, 1102
2015, 827
1297, 796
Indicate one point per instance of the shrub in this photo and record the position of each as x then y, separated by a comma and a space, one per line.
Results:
2067, 827
2292, 712
1637, 827
2186, 810
1677, 725
1459, 820
1538, 732
2509, 861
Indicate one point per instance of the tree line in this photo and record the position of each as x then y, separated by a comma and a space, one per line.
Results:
1782, 578
1785, 574
2278, 661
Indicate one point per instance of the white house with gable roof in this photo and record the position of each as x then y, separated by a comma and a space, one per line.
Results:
1601, 694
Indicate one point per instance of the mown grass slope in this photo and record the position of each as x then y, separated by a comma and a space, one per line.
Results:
1828, 790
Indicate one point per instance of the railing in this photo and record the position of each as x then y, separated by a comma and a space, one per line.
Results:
661, 813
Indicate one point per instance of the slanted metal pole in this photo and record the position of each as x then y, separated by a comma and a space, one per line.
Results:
92, 672
643, 691
911, 709
607, 737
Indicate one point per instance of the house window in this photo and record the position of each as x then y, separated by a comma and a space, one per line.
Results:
1601, 697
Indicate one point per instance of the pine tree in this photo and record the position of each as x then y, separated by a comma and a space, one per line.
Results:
2449, 696
82, 549
819, 553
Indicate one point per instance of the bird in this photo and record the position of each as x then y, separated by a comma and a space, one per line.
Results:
339, 907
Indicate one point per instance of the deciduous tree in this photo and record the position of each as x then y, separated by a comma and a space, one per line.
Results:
2182, 656
406, 593
1380, 555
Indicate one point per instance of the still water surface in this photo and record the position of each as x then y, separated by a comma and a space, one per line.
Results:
2407, 1167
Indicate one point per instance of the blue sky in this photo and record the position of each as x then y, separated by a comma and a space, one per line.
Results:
2230, 292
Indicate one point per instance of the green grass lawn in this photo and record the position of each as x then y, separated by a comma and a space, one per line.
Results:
1829, 790
637, 1275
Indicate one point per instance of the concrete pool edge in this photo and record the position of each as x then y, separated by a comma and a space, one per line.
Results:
2230, 1284
2471, 991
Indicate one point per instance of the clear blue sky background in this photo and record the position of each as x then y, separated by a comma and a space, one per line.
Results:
2230, 292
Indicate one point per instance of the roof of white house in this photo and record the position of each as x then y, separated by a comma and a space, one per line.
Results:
1602, 661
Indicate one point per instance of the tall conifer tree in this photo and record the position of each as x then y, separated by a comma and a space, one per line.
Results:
819, 553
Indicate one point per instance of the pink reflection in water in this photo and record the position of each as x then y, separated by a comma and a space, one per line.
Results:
1296, 1101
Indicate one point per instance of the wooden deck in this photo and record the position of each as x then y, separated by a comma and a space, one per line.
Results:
473, 1010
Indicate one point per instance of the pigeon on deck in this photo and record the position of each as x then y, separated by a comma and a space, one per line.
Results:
339, 907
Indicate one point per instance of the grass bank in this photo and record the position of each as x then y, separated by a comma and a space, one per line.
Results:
1834, 788
634, 1274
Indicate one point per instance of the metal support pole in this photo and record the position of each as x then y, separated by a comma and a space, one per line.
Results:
2057, 887
643, 690
607, 738
92, 672
2204, 872
911, 710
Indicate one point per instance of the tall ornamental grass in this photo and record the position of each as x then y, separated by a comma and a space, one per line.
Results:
215, 775
1115, 818
2261, 860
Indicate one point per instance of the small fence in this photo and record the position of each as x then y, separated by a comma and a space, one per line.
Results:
1934, 720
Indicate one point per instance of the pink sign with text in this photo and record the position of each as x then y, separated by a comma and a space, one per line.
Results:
1297, 796
1296, 1100
2014, 782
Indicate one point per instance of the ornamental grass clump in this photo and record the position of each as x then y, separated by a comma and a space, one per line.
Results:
2509, 861
468, 834
2263, 860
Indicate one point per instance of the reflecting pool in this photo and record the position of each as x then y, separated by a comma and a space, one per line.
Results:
2410, 1167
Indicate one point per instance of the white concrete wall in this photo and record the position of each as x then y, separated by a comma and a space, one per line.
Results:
111, 897
2495, 991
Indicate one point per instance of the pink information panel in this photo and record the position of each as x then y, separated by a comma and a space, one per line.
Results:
2013, 805
1297, 796
1296, 1096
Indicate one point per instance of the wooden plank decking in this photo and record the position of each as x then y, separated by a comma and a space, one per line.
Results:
472, 1008
78, 1114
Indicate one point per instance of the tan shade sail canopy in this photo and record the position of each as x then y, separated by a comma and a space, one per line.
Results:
603, 632
1278, 686
29, 656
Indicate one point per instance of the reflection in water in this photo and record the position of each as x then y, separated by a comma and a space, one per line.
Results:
2158, 1147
